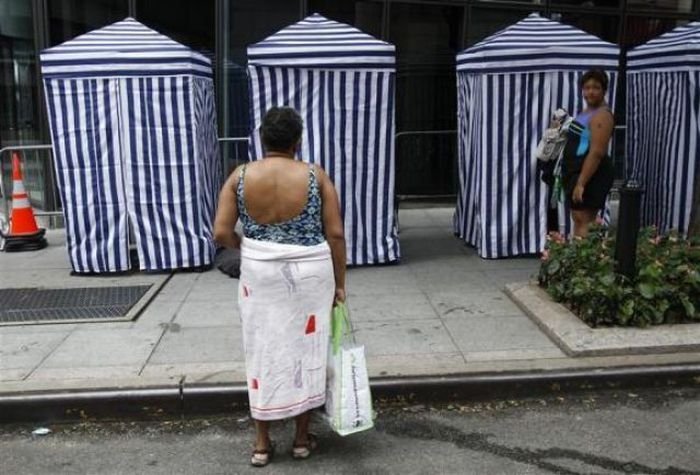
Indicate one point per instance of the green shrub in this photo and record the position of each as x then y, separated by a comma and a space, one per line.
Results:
666, 288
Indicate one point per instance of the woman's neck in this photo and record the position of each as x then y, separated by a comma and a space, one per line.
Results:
279, 155
590, 107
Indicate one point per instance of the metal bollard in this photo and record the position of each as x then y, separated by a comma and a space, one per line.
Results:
628, 227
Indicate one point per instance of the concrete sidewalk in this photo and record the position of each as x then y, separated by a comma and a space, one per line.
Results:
441, 312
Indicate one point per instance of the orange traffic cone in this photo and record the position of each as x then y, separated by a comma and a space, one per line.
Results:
24, 234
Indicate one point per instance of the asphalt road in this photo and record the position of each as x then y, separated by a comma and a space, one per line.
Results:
649, 432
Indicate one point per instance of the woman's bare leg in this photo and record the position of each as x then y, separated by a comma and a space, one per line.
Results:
582, 219
262, 435
302, 431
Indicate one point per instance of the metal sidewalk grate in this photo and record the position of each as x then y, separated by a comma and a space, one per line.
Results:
69, 305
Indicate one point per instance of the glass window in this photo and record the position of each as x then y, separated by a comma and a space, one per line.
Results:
589, 3
684, 6
70, 18
365, 15
427, 39
639, 30
20, 112
249, 21
605, 27
538, 2
486, 21
188, 22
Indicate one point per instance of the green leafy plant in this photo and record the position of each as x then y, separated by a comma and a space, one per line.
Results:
581, 273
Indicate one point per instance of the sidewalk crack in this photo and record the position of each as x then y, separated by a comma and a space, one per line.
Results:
442, 322
43, 360
166, 329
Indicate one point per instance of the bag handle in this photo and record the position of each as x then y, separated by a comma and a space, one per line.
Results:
340, 326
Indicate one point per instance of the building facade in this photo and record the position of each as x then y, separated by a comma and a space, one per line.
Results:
427, 35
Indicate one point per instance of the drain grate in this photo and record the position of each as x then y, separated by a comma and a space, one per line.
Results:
63, 305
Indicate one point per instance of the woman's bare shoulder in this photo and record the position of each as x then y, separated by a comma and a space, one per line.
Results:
604, 114
602, 119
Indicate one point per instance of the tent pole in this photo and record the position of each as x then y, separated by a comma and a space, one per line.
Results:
694, 225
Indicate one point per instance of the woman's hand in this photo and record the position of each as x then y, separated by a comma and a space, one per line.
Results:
577, 195
339, 296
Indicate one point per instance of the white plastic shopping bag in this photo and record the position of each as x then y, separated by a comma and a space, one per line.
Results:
348, 396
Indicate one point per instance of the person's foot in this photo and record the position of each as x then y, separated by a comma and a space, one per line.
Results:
262, 456
302, 449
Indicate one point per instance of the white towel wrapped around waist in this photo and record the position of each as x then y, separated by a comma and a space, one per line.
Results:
285, 297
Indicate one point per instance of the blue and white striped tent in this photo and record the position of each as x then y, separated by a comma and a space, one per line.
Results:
663, 124
341, 80
507, 86
133, 126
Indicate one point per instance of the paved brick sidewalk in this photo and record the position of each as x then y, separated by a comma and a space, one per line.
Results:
441, 311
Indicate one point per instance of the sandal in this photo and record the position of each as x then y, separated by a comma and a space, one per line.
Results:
303, 451
261, 458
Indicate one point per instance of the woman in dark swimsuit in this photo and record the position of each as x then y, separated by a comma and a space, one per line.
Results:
587, 170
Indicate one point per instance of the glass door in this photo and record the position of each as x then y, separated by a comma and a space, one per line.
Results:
427, 39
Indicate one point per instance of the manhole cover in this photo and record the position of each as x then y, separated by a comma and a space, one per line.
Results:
63, 305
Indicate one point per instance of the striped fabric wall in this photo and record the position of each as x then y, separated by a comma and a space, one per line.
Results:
211, 173
348, 131
84, 122
342, 81
466, 222
663, 143
663, 125
133, 125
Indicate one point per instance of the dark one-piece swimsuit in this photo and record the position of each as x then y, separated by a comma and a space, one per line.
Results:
577, 146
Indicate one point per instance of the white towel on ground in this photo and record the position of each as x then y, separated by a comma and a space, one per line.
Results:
285, 296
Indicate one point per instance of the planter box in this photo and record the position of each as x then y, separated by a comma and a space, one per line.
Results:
576, 338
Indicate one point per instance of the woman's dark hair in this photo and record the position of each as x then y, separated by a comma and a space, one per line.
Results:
280, 129
596, 75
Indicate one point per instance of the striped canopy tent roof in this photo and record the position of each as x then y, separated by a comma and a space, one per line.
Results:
679, 49
123, 49
538, 44
317, 42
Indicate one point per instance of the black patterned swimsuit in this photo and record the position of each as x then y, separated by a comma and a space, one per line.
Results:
305, 229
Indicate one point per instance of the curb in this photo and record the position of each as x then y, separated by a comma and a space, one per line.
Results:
577, 339
158, 402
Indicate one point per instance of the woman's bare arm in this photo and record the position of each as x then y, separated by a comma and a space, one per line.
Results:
227, 213
334, 231
602, 125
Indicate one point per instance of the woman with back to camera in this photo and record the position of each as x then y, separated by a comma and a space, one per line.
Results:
292, 271
587, 169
